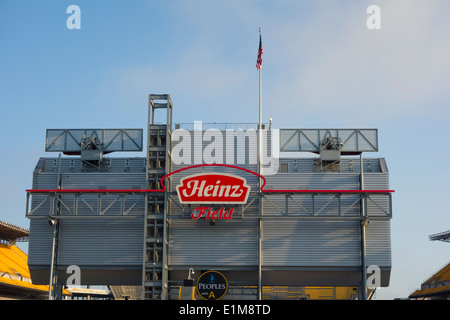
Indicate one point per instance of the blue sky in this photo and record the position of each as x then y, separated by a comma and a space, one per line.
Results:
323, 68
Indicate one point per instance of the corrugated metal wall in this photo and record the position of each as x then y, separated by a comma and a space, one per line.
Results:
98, 244
289, 242
225, 244
102, 242
378, 239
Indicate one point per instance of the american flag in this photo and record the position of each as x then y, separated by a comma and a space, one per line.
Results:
260, 52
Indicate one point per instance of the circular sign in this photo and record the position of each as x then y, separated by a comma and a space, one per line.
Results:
212, 285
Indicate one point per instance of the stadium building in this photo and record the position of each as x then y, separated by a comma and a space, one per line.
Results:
275, 213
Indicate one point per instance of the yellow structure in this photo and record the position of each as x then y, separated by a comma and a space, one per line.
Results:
437, 287
15, 280
310, 293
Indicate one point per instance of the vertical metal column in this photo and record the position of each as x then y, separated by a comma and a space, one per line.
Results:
363, 293
155, 275
55, 288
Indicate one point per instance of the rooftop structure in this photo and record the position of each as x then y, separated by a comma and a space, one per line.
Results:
437, 287
15, 280
11, 233
322, 221
442, 236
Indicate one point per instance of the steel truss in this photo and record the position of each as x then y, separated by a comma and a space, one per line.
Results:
313, 204
86, 203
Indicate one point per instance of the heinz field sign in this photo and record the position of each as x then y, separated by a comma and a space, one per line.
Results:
213, 188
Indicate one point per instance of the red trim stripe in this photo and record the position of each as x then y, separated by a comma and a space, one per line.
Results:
204, 165
162, 190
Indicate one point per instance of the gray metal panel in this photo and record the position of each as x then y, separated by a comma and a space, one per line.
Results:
377, 205
347, 165
378, 243
314, 181
131, 179
324, 243
96, 245
103, 243
42, 181
311, 243
302, 204
227, 243
251, 178
40, 243
105, 181
74, 165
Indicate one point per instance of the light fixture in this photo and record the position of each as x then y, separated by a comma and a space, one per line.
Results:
191, 272
52, 221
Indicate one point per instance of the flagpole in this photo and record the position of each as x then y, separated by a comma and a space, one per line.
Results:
259, 171
260, 111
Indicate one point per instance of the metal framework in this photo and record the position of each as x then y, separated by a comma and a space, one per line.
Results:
11, 233
73, 141
310, 204
119, 203
348, 141
95, 203
442, 236
158, 198
155, 269
331, 144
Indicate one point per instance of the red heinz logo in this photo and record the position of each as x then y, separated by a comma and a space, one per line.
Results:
213, 188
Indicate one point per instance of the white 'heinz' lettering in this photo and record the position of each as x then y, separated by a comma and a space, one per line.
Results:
195, 187
235, 189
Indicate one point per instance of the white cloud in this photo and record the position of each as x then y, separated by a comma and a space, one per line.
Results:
318, 60
337, 62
